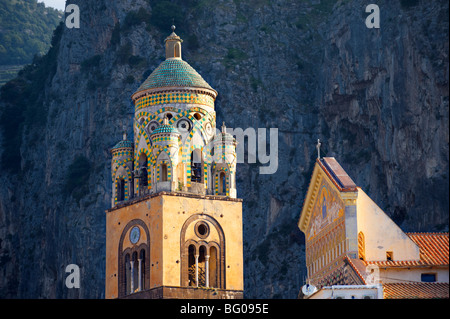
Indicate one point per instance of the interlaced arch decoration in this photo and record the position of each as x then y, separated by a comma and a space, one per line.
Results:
186, 147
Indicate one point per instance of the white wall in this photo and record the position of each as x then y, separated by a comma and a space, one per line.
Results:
393, 275
381, 233
348, 292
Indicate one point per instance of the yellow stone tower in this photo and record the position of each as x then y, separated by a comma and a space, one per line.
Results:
175, 226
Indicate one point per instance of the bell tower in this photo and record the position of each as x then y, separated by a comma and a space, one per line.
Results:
175, 226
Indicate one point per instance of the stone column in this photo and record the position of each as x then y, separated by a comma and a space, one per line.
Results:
139, 274
132, 276
207, 270
196, 270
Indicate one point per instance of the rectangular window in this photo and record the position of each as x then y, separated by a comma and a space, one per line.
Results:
389, 256
428, 277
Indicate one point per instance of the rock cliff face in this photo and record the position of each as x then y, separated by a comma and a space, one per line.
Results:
377, 99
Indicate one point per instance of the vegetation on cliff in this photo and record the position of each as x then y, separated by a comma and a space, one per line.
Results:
26, 29
22, 102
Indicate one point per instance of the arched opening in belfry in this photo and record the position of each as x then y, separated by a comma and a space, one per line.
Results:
163, 172
202, 267
134, 261
222, 183
143, 173
197, 116
141, 270
127, 268
180, 174
192, 267
120, 189
203, 262
196, 166
213, 267
177, 50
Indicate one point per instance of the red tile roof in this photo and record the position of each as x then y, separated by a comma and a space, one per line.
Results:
358, 267
433, 247
433, 251
419, 290
337, 174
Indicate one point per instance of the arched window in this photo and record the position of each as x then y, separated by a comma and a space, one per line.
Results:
196, 166
127, 269
141, 270
361, 246
134, 259
143, 173
202, 266
163, 172
192, 266
222, 183
120, 189
213, 267
177, 50
203, 261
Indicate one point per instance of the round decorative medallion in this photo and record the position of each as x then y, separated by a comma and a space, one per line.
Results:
201, 229
152, 126
135, 234
184, 125
208, 128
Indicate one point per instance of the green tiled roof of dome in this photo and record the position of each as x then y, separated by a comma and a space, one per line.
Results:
123, 144
165, 129
174, 72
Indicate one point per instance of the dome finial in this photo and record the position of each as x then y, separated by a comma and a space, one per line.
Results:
124, 129
224, 128
173, 45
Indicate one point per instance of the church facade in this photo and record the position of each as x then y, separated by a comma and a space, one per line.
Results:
354, 250
174, 229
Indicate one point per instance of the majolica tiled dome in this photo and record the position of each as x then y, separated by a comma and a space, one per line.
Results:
174, 73
165, 128
123, 144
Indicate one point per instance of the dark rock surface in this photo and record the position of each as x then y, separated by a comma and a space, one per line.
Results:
377, 99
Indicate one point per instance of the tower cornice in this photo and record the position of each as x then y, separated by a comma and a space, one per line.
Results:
140, 94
